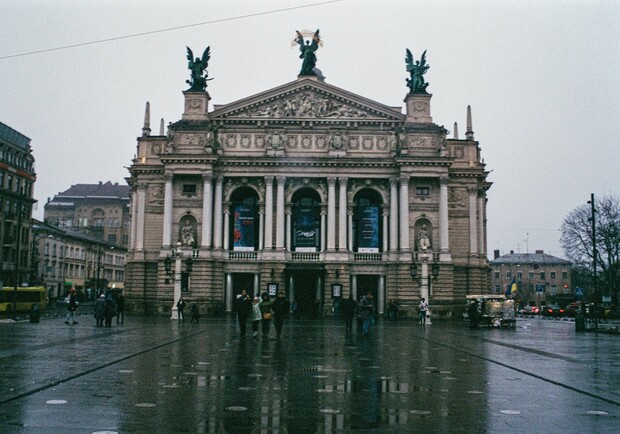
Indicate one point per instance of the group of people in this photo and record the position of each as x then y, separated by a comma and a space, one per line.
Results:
261, 312
107, 306
363, 310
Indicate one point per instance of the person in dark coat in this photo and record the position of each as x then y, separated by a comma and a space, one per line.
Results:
266, 312
472, 313
100, 310
280, 307
180, 309
71, 307
120, 308
348, 308
110, 308
195, 314
243, 306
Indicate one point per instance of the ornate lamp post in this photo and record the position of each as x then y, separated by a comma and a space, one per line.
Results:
176, 276
426, 278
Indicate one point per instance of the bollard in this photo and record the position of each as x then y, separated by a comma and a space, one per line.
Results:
580, 323
35, 313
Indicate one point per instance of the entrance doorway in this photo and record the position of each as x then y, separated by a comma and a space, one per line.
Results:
368, 283
304, 287
242, 281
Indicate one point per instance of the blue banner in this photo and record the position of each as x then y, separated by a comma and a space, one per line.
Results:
368, 230
306, 234
243, 229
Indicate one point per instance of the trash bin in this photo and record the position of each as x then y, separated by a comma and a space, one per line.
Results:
35, 313
580, 323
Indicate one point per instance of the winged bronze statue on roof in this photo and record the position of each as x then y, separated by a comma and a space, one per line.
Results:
307, 50
416, 71
198, 70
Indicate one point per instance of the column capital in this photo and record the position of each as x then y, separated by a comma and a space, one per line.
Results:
331, 181
142, 186
393, 182
443, 180
404, 178
269, 179
281, 179
472, 191
207, 177
343, 181
168, 176
219, 179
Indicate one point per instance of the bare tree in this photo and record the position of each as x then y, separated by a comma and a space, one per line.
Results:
578, 245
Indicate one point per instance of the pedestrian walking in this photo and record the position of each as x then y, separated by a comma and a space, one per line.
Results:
255, 317
195, 314
472, 313
266, 314
180, 309
100, 310
110, 309
120, 308
71, 307
367, 310
422, 311
243, 306
280, 307
348, 308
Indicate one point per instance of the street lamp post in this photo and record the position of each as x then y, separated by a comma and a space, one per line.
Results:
17, 259
98, 271
426, 278
177, 254
594, 256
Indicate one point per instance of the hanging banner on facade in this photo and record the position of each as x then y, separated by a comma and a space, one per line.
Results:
306, 234
368, 230
243, 229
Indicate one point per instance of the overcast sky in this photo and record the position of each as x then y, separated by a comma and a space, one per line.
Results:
542, 78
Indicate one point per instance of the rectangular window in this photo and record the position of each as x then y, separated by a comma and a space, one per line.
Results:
422, 191
509, 274
520, 275
554, 289
498, 289
552, 274
497, 275
542, 275
530, 275
564, 275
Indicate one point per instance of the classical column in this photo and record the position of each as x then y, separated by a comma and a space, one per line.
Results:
217, 214
342, 214
268, 212
207, 212
256, 289
167, 236
385, 217
481, 243
227, 229
319, 287
350, 229
229, 292
323, 233
134, 216
443, 215
280, 223
354, 286
331, 213
291, 288
141, 196
261, 228
381, 295
393, 214
473, 220
287, 231
404, 212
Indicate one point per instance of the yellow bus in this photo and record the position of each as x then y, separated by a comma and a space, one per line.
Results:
24, 298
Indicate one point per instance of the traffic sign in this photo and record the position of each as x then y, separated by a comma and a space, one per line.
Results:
578, 292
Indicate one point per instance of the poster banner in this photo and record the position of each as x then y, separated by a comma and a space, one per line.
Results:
306, 234
368, 230
243, 229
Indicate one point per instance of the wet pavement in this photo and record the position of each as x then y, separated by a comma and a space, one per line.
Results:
153, 375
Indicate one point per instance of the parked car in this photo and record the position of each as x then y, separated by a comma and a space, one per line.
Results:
531, 310
553, 310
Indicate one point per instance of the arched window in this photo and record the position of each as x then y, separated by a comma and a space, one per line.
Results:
306, 221
367, 222
244, 222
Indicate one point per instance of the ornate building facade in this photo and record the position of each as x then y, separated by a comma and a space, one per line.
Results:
309, 189
17, 179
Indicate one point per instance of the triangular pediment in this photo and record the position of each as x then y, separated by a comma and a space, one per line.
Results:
304, 100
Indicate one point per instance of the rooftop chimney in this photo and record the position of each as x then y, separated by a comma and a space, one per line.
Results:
495, 254
540, 252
